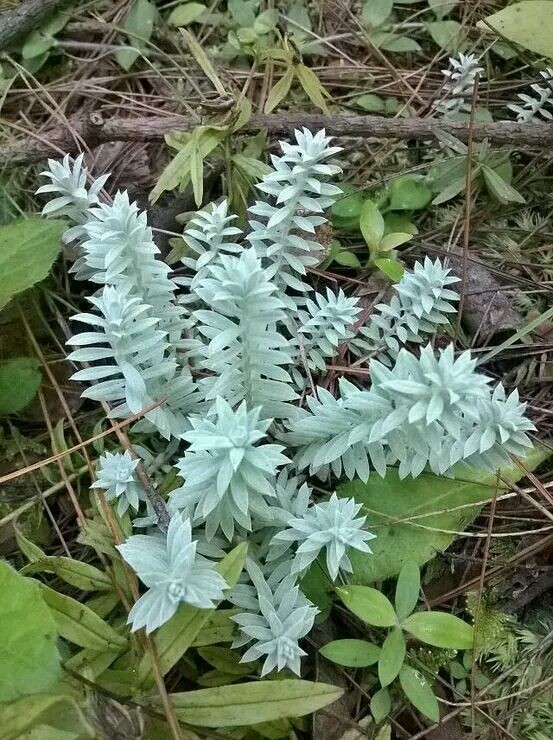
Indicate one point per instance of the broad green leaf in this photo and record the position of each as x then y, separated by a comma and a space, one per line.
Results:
391, 504
36, 44
375, 12
253, 168
399, 44
440, 629
242, 11
399, 222
81, 575
407, 589
499, 188
347, 259
173, 638
351, 653
79, 624
203, 61
371, 103
408, 194
244, 113
381, 704
441, 8
251, 703
19, 718
29, 660
347, 209
19, 381
218, 628
392, 268
225, 659
392, 241
186, 13
419, 693
450, 191
31, 551
266, 21
369, 605
447, 34
28, 249
392, 656
527, 23
280, 90
371, 223
312, 86
139, 24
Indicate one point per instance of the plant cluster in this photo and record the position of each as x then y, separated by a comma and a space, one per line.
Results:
221, 368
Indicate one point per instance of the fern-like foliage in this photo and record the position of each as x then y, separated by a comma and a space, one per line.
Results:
246, 354
227, 476
299, 191
276, 620
422, 303
423, 411
73, 198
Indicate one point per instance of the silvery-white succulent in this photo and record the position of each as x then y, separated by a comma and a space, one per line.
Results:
459, 83
331, 525
173, 573
117, 478
534, 106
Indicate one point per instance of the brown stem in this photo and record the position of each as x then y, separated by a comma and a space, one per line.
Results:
95, 129
26, 17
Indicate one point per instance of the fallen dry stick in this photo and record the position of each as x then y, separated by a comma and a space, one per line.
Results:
94, 129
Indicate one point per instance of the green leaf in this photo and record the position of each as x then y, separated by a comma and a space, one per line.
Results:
203, 61
528, 23
312, 86
218, 628
408, 194
280, 90
371, 223
399, 44
371, 103
36, 44
407, 589
187, 13
226, 660
392, 268
440, 629
419, 693
391, 657
28, 249
31, 717
399, 222
381, 704
391, 241
369, 605
253, 168
173, 638
447, 34
29, 660
347, 209
251, 703
375, 12
196, 169
441, 8
450, 191
391, 504
19, 381
347, 259
499, 188
351, 653
81, 575
139, 24
79, 624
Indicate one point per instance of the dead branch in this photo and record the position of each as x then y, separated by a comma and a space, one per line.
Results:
94, 129
24, 18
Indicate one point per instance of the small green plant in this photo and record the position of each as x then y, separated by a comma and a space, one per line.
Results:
438, 629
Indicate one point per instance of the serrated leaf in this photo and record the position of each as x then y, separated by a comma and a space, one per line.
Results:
186, 13
81, 575
79, 624
280, 90
407, 589
527, 23
392, 656
173, 638
351, 653
312, 86
19, 381
381, 704
28, 249
499, 188
391, 503
392, 268
417, 690
440, 630
29, 659
369, 605
251, 703
371, 223
139, 24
